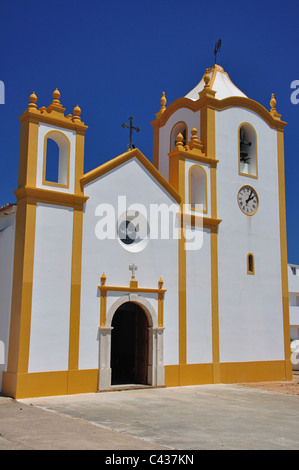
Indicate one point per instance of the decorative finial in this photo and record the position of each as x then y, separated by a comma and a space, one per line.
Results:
195, 144
179, 140
103, 279
32, 100
206, 78
160, 283
273, 111
194, 137
273, 104
163, 102
77, 112
56, 95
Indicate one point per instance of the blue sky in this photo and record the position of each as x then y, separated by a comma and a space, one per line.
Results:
115, 58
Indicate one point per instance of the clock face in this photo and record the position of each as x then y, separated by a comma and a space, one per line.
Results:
248, 200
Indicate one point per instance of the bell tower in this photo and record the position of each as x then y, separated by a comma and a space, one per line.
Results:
47, 260
38, 126
224, 151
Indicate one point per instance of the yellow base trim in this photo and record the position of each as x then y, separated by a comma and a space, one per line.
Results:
41, 384
188, 374
230, 372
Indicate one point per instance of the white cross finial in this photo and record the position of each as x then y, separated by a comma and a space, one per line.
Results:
133, 268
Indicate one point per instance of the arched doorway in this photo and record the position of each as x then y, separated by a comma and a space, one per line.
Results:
129, 345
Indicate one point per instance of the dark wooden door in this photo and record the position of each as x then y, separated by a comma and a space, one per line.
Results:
141, 347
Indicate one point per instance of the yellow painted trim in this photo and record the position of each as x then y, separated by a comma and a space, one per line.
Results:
19, 339
215, 305
188, 374
182, 299
208, 139
177, 179
103, 288
79, 159
252, 270
86, 381
156, 149
171, 132
28, 153
194, 220
160, 310
131, 289
259, 371
283, 253
50, 197
205, 210
54, 118
103, 308
52, 183
121, 159
256, 155
219, 105
233, 372
75, 289
55, 383
248, 186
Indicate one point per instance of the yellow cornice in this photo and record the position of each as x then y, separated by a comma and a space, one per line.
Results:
131, 289
219, 105
34, 195
186, 154
115, 162
53, 119
197, 221
53, 114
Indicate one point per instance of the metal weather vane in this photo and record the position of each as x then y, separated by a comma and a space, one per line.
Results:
131, 127
217, 49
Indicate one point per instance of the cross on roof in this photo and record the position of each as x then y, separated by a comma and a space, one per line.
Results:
133, 268
131, 127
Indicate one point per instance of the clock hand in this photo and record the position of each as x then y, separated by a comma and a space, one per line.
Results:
249, 198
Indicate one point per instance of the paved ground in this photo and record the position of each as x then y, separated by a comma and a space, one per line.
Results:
188, 418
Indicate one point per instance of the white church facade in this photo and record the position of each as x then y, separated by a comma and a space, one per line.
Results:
168, 273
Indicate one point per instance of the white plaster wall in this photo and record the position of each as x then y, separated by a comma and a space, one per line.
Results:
71, 135
159, 258
199, 315
191, 119
250, 306
50, 317
7, 240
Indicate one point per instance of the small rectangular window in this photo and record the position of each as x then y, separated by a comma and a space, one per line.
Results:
250, 263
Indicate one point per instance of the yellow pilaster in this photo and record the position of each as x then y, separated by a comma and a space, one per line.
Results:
207, 137
283, 253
